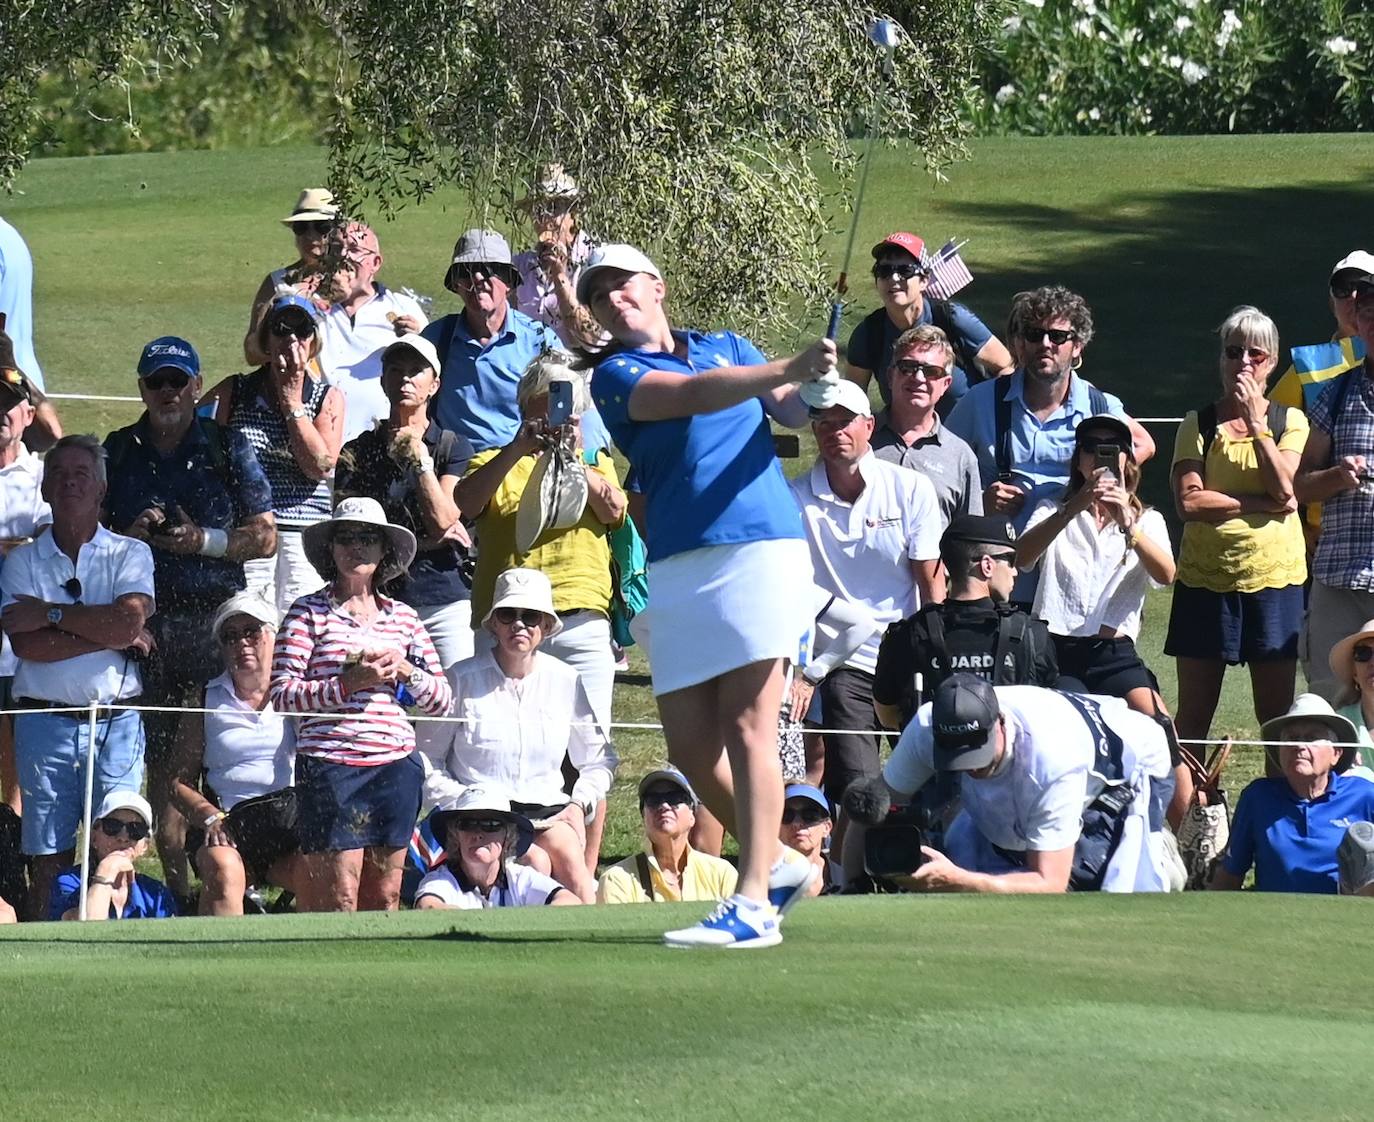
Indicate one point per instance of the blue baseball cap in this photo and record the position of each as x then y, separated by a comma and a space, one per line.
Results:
806, 791
671, 775
287, 301
168, 350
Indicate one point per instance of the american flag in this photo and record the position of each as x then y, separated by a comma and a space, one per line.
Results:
948, 273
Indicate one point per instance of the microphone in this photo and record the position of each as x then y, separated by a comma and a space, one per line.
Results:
867, 800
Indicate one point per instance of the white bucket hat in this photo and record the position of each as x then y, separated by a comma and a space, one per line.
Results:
1313, 707
525, 588
249, 602
360, 511
554, 496
475, 801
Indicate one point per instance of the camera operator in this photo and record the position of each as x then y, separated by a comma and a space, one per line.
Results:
975, 630
1059, 790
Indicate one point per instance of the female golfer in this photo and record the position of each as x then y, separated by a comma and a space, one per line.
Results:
728, 566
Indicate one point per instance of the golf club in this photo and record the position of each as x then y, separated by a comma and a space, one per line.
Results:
884, 33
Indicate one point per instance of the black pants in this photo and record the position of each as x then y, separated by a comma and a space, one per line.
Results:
847, 703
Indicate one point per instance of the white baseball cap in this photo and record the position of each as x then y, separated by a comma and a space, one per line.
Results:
420, 345
848, 395
614, 256
126, 800
1361, 261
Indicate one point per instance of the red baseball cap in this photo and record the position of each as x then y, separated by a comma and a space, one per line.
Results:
902, 240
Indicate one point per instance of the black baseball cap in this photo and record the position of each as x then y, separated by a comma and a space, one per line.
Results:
980, 529
963, 719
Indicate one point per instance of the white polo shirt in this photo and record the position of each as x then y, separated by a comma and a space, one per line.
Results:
518, 886
351, 355
1037, 801
1091, 578
108, 566
861, 551
22, 510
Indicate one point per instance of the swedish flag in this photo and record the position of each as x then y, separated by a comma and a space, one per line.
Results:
1314, 366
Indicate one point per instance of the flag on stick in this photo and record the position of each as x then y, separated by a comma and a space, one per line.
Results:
948, 273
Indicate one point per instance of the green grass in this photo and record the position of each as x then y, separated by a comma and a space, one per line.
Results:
1163, 236
953, 1008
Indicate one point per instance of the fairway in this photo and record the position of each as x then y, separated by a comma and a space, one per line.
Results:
1080, 1007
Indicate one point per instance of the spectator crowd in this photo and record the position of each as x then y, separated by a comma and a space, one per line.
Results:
371, 595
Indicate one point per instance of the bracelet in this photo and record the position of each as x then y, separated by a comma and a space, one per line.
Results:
218, 816
96, 878
216, 543
425, 464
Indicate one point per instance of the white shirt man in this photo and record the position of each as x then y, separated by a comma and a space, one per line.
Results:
1031, 761
874, 530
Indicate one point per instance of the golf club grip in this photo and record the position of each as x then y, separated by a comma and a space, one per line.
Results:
836, 311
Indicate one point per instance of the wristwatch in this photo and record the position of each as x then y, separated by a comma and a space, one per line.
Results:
55, 615
297, 413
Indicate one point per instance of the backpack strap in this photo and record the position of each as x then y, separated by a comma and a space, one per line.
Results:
1011, 639
935, 633
447, 326
942, 317
646, 881
1207, 427
1097, 400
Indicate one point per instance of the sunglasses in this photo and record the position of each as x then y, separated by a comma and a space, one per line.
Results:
311, 229
1235, 352
809, 816
251, 632
1056, 335
528, 616
284, 328
167, 380
357, 537
1362, 653
73, 589
929, 371
470, 274
1006, 558
113, 827
481, 825
901, 270
665, 798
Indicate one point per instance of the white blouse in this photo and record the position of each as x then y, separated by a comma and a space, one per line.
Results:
247, 752
1090, 578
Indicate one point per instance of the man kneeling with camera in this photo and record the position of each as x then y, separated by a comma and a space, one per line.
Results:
1060, 791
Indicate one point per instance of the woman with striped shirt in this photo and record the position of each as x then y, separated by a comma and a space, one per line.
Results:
349, 659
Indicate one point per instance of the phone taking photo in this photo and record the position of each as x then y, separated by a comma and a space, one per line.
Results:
560, 404
1108, 456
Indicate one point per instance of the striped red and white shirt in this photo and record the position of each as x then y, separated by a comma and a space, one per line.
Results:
368, 727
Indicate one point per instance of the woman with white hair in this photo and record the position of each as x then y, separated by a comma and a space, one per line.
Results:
576, 557
520, 711
1238, 597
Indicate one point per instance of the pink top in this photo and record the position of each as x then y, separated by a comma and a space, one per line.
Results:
368, 727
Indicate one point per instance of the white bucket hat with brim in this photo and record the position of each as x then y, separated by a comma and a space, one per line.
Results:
250, 602
360, 511
525, 588
1342, 656
553, 499
316, 204
1311, 707
552, 185
482, 802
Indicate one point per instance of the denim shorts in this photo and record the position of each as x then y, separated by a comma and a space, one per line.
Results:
50, 753
1235, 627
345, 806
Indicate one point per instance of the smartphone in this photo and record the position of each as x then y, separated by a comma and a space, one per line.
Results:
1108, 456
560, 404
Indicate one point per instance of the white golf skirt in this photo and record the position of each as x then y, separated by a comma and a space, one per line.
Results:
721, 607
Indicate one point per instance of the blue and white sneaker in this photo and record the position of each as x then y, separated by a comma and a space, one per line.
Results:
736, 924
789, 880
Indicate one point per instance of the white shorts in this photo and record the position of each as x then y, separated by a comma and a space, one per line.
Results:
721, 607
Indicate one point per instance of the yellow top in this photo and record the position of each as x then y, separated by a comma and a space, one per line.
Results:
704, 878
577, 560
1250, 551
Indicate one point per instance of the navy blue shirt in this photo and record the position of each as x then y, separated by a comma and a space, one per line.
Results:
708, 479
1292, 842
870, 347
366, 468
218, 498
148, 898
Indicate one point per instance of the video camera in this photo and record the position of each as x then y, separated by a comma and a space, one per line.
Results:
896, 831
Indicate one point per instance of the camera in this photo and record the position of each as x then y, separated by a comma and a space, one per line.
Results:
893, 849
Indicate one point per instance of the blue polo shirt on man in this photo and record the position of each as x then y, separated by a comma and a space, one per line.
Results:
218, 489
708, 479
1291, 842
477, 381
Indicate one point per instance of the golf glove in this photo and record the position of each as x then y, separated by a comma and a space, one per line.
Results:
821, 393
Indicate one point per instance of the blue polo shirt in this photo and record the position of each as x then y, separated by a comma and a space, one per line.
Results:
1291, 842
708, 479
477, 383
218, 498
148, 898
